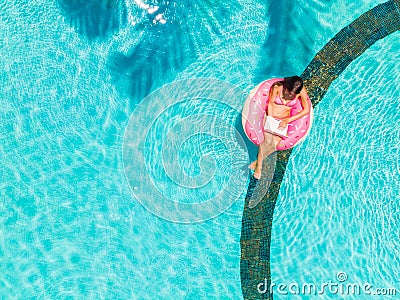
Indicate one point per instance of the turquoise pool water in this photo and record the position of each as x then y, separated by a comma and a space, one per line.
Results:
72, 73
338, 209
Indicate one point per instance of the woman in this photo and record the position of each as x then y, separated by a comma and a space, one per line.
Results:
284, 95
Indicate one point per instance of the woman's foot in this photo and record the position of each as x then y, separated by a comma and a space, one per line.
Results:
257, 170
253, 165
257, 173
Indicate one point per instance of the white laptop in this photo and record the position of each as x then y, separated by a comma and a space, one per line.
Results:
272, 124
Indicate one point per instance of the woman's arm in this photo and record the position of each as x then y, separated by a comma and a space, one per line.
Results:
273, 91
304, 111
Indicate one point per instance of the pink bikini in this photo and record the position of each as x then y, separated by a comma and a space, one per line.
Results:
290, 104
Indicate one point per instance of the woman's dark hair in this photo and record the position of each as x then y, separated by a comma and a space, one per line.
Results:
293, 84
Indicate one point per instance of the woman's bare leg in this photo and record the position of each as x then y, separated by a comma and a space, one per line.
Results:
278, 139
266, 148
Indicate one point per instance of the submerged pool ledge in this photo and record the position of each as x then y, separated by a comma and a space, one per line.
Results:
327, 65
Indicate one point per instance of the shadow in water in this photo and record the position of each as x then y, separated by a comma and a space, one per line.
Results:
279, 53
250, 146
166, 49
95, 18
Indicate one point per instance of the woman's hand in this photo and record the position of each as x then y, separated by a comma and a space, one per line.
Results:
283, 124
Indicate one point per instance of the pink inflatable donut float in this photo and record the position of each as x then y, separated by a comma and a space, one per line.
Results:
253, 114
